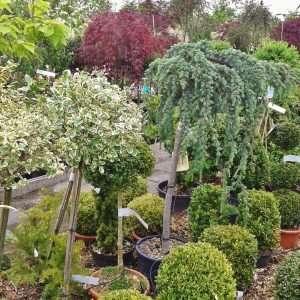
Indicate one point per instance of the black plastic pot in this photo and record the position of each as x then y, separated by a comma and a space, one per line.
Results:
148, 265
232, 218
179, 202
35, 174
263, 259
233, 201
104, 260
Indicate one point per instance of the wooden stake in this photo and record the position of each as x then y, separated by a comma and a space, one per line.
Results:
170, 191
120, 237
72, 226
4, 212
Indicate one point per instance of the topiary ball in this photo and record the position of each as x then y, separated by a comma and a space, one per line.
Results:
204, 208
87, 218
289, 207
240, 248
286, 136
124, 295
195, 271
259, 213
151, 208
285, 175
287, 281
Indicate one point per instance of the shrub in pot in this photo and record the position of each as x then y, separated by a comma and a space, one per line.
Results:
195, 269
125, 295
151, 208
289, 207
135, 189
87, 217
259, 213
240, 248
287, 279
285, 175
205, 209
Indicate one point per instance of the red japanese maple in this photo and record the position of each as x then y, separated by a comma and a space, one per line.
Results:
289, 31
121, 42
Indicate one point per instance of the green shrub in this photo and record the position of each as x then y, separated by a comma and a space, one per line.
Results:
285, 175
219, 45
287, 281
289, 207
258, 168
36, 232
259, 213
195, 271
151, 208
135, 189
240, 248
286, 136
205, 209
124, 295
278, 52
87, 218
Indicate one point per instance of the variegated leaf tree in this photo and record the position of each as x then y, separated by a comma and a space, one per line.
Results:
26, 143
98, 125
202, 84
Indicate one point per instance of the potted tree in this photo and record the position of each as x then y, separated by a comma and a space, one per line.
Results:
196, 84
289, 207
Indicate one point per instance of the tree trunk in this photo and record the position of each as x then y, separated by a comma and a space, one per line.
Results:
72, 226
4, 212
62, 210
120, 237
170, 191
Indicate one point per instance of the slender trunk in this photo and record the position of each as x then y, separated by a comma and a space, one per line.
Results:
62, 210
170, 191
72, 226
3, 220
120, 237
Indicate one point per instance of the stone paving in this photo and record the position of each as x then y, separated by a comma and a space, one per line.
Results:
27, 201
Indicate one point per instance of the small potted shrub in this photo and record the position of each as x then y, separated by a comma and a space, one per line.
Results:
195, 269
259, 213
287, 279
240, 248
151, 208
205, 209
289, 207
87, 218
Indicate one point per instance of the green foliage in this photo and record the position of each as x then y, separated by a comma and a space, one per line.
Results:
285, 175
289, 207
287, 279
286, 136
36, 232
87, 218
201, 83
259, 213
219, 45
118, 174
124, 295
240, 248
278, 52
258, 168
151, 208
205, 209
135, 189
240, 38
197, 271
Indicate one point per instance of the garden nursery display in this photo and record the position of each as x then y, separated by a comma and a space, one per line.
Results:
166, 138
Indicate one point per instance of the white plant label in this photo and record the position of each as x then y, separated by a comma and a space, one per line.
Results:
272, 127
71, 177
276, 107
86, 279
97, 190
8, 207
270, 92
126, 212
291, 158
240, 295
35, 253
46, 73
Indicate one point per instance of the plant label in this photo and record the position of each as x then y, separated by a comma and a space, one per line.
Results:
46, 73
97, 190
7, 207
291, 158
272, 126
86, 279
270, 92
71, 177
276, 107
183, 163
126, 212
240, 295
35, 253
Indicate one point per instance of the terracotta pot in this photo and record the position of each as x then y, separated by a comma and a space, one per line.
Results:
85, 238
135, 236
96, 296
289, 239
